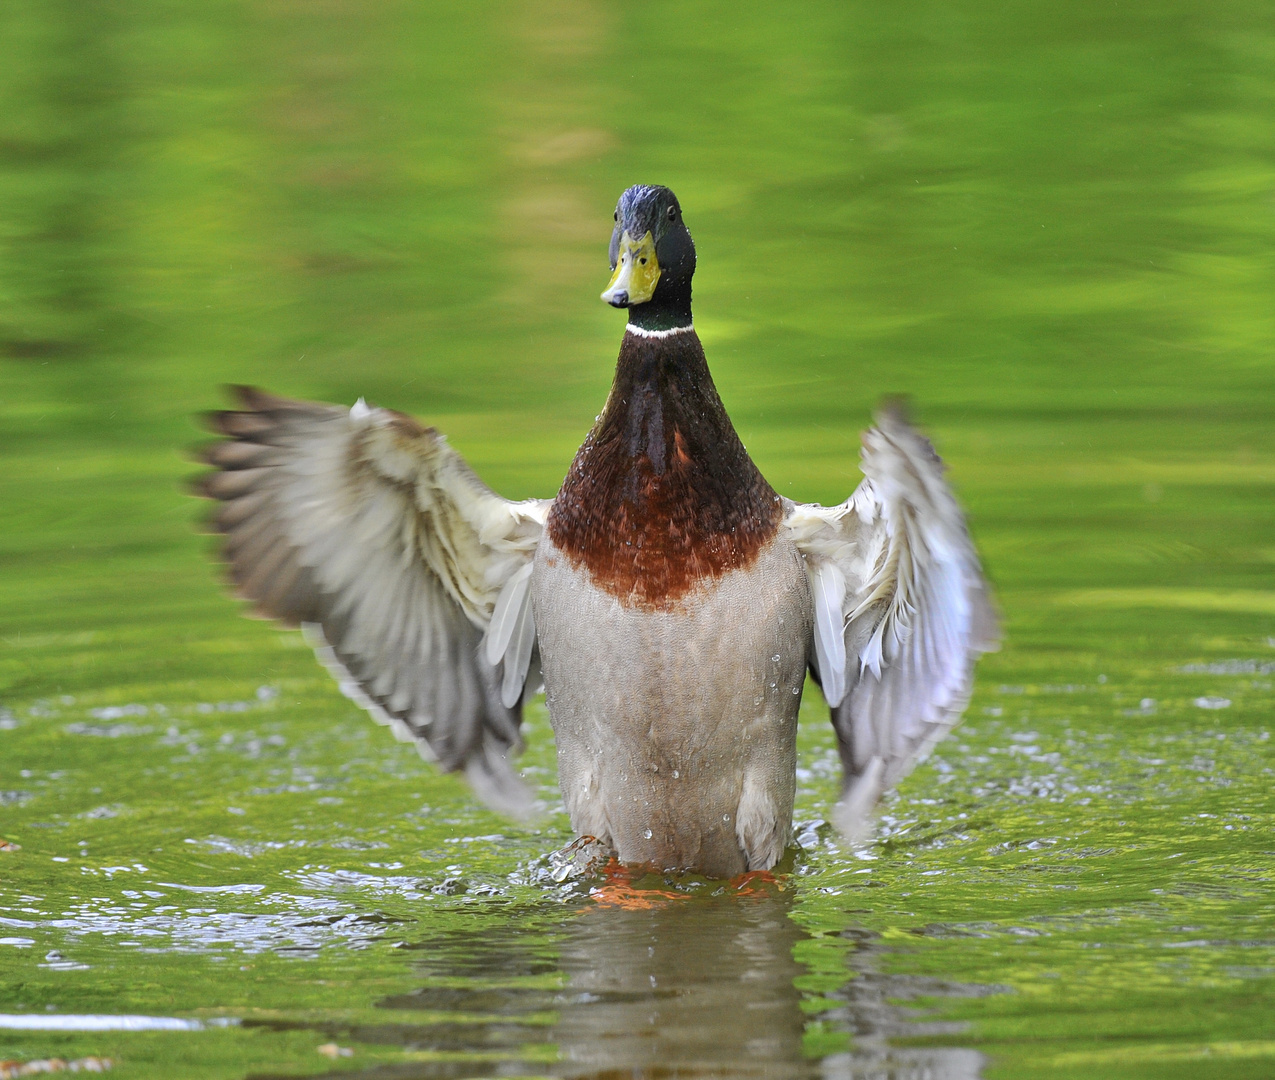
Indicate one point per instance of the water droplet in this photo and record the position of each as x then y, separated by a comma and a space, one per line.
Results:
676, 775
726, 817
775, 659
773, 685
646, 833
757, 699
796, 689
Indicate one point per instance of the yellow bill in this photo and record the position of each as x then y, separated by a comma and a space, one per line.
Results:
636, 272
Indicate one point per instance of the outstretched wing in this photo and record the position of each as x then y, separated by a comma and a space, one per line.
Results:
902, 612
373, 534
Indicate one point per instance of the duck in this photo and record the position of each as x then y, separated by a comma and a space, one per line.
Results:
667, 599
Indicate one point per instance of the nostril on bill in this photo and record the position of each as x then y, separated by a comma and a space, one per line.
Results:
620, 299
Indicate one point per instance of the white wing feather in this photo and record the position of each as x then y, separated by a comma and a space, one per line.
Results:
512, 634
914, 611
375, 531
828, 587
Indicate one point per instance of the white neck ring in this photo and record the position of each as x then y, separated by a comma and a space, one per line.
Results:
641, 331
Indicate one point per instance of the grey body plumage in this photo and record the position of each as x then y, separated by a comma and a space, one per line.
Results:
676, 729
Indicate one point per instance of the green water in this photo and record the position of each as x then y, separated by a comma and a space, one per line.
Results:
1051, 226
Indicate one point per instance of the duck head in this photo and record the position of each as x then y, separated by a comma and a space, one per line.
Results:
652, 259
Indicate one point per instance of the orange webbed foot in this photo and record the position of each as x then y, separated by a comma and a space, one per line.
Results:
620, 892
756, 882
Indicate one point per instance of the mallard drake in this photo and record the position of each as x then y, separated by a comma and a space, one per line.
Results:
668, 598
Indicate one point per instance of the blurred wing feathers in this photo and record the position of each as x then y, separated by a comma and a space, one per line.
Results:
896, 564
374, 534
512, 634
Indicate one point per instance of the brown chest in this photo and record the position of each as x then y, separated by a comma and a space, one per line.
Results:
662, 496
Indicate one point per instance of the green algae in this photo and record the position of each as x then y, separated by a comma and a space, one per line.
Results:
1052, 228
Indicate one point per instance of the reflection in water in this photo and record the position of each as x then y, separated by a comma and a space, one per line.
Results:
693, 987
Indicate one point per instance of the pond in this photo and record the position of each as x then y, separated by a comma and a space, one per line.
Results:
1051, 227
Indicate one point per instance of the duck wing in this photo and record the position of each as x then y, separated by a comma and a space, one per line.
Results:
902, 611
408, 573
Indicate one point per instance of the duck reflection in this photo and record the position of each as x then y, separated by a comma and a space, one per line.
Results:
646, 985
685, 987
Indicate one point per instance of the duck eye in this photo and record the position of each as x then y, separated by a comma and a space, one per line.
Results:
672, 213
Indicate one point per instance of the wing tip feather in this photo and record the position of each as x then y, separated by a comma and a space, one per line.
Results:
853, 813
